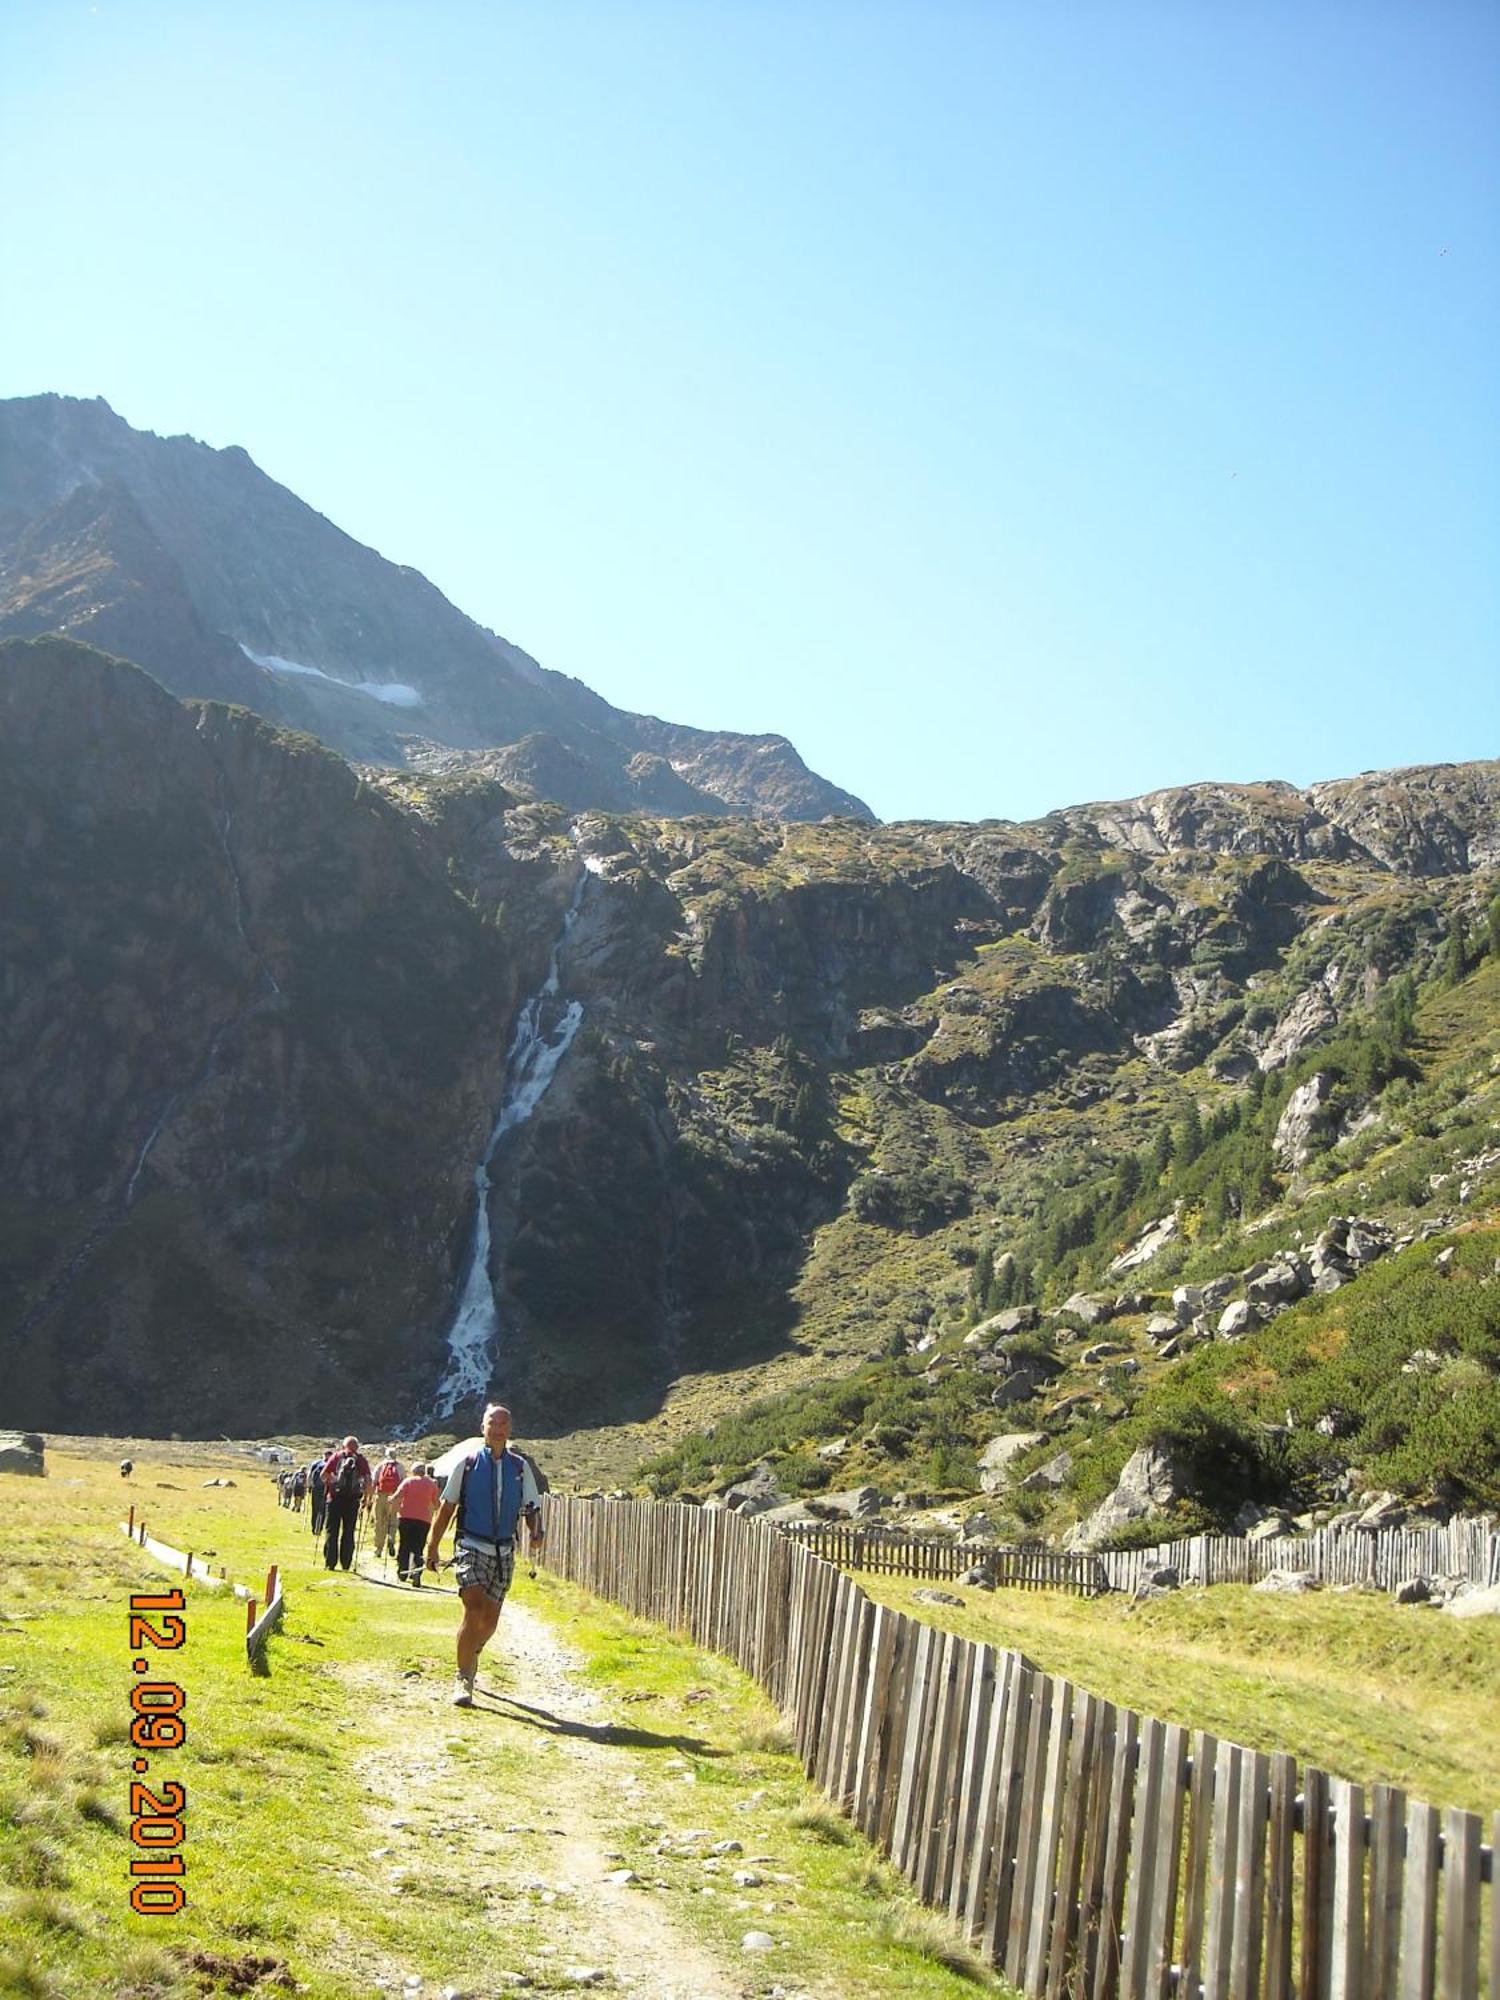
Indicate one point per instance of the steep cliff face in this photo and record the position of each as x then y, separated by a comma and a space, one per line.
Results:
257, 1008
197, 566
249, 1043
811, 1055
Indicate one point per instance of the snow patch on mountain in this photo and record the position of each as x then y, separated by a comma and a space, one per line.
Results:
397, 693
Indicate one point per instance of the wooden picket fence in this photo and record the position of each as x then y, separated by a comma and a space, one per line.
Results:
1350, 1556
1379, 1560
1087, 1851
884, 1554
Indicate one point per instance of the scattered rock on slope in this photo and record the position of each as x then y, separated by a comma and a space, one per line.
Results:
1152, 1481
1000, 1453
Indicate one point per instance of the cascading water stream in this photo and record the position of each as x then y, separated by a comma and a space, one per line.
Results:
544, 1033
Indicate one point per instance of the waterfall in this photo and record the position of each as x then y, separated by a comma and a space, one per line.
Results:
544, 1033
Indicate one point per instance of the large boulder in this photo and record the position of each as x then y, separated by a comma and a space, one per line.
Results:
858, 1503
1287, 1582
1279, 1283
1050, 1476
23, 1452
1366, 1240
1102, 1350
1479, 1602
756, 1495
1237, 1319
1381, 1510
1023, 1382
1090, 1308
1270, 1528
996, 1458
1187, 1303
1014, 1319
1155, 1236
1152, 1480
1158, 1581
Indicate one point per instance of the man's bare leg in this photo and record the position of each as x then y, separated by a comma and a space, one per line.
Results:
481, 1616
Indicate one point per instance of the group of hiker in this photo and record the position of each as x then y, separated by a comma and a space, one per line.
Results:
398, 1501
493, 1492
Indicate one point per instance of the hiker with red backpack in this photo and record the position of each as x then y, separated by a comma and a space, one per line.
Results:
388, 1476
346, 1483
492, 1492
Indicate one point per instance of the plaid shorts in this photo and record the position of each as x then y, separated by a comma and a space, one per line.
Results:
491, 1573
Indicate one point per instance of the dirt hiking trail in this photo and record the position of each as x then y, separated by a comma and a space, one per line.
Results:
433, 1823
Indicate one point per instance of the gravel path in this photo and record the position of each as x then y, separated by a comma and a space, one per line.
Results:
551, 1845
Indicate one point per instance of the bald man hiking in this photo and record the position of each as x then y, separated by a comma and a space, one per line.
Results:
491, 1492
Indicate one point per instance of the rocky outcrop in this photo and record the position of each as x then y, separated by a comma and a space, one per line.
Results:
1151, 1482
759, 1494
23, 1452
1306, 1121
1430, 819
1000, 1454
1153, 1238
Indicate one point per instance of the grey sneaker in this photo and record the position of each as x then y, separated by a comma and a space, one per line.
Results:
463, 1691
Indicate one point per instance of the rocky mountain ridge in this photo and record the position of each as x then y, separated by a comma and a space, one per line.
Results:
224, 585
258, 1009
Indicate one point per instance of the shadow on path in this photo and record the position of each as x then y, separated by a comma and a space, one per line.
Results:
613, 1734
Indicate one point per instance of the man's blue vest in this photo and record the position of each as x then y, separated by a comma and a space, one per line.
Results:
489, 1501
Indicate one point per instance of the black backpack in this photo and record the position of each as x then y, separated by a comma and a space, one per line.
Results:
543, 1483
346, 1481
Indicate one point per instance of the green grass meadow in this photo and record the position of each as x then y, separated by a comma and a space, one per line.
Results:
291, 1873
1352, 1683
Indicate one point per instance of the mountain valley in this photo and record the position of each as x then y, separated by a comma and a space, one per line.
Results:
838, 1095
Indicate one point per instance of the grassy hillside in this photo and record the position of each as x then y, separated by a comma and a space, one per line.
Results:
1251, 1416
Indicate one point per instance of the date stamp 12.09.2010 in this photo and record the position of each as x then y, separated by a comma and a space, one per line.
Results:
157, 1723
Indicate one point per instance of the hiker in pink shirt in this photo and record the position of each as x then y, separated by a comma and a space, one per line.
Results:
415, 1499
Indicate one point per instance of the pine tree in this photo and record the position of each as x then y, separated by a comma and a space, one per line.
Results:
1003, 1291
982, 1278
1188, 1141
1455, 961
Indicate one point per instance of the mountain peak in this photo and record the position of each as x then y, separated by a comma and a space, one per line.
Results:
324, 627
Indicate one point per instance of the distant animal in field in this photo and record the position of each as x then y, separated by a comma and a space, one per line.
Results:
127, 1466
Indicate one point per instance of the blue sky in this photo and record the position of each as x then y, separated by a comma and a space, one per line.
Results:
1014, 404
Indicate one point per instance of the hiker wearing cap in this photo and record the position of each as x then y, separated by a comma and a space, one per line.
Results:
388, 1476
346, 1482
491, 1492
416, 1499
